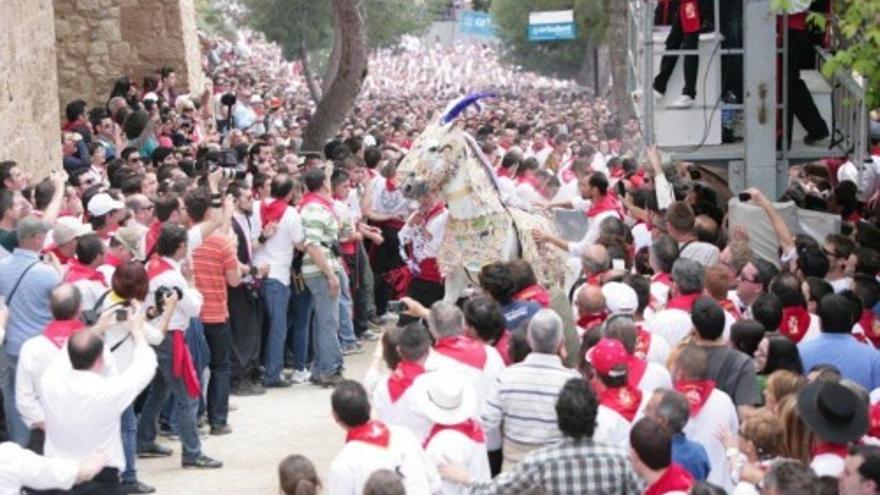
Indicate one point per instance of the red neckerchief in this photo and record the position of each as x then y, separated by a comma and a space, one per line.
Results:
502, 345
182, 364
502, 172
730, 307
590, 321
152, 236
59, 331
689, 16
683, 302
272, 211
77, 271
674, 479
663, 278
595, 279
372, 432
435, 210
402, 377
637, 180
837, 449
316, 198
874, 418
870, 326
636, 370
534, 293
390, 184
568, 175
624, 400
157, 266
696, 392
529, 178
469, 428
607, 203
617, 173
463, 349
62, 258
112, 260
643, 342
795, 322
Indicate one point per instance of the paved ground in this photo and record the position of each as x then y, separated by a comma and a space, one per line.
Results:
266, 428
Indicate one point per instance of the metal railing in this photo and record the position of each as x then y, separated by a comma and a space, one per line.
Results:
849, 112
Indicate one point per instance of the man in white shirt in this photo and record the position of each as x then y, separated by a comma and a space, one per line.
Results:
372, 445
710, 409
22, 468
83, 271
393, 397
83, 408
674, 323
619, 401
177, 375
662, 255
277, 251
838, 249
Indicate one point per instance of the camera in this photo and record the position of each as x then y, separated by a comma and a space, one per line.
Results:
228, 99
162, 292
745, 197
397, 307
225, 159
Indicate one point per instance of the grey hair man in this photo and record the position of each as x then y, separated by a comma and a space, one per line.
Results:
662, 255
529, 415
445, 320
674, 322
671, 409
651, 376
790, 477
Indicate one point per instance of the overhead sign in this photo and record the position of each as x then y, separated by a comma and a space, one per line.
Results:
476, 23
552, 25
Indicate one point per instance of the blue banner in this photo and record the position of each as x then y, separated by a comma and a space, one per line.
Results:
476, 23
552, 32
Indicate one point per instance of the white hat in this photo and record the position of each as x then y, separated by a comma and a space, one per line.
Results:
620, 298
446, 397
69, 228
256, 98
102, 204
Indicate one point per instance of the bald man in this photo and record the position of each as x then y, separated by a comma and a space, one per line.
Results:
590, 306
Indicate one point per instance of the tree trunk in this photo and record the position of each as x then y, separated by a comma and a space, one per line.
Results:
333, 61
617, 43
314, 90
338, 100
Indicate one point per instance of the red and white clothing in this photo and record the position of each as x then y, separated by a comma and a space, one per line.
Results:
393, 399
676, 480
386, 198
539, 153
528, 188
111, 263
661, 283
597, 211
422, 242
828, 459
278, 250
647, 376
710, 408
867, 329
673, 324
164, 271
462, 445
375, 446
90, 282
618, 409
653, 350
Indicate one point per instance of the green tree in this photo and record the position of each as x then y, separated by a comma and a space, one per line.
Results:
558, 58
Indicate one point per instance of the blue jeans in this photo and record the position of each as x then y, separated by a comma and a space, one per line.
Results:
201, 356
299, 327
328, 352
185, 407
276, 297
16, 429
129, 444
347, 336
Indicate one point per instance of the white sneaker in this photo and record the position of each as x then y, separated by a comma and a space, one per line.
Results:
300, 376
682, 102
658, 95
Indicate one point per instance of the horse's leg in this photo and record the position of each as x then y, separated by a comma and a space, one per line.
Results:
454, 285
511, 243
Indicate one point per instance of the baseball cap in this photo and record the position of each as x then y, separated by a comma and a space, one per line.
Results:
102, 204
132, 239
620, 298
607, 355
67, 229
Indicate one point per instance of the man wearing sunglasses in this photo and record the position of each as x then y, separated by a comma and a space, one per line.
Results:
838, 248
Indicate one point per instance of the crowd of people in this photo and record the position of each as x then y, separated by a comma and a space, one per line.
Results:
188, 249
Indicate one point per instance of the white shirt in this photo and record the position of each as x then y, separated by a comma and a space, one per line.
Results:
387, 202
425, 246
612, 428
656, 376
83, 409
403, 412
827, 465
36, 355
840, 284
453, 447
528, 192
575, 249
118, 340
189, 306
660, 293
673, 325
641, 236
277, 251
507, 187
358, 460
658, 351
91, 291
20, 467
703, 429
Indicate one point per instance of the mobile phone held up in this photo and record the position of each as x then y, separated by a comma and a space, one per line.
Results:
745, 197
121, 314
396, 307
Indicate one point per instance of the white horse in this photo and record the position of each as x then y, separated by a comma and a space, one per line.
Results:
481, 229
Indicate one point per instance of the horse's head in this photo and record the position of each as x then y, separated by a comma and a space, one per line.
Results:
436, 155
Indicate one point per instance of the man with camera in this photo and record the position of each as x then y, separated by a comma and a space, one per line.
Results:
177, 374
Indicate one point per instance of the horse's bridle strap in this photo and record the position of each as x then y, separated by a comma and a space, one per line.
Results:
458, 194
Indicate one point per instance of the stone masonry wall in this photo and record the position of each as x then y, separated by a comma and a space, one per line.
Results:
29, 123
101, 40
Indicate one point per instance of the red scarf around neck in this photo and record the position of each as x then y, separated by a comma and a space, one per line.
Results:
870, 326
62, 258
590, 321
663, 278
59, 331
318, 199
636, 370
674, 479
530, 179
838, 449
534, 293
152, 236
435, 210
624, 400
157, 266
402, 378
470, 428
696, 392
503, 172
78, 271
112, 260
683, 302
390, 184
643, 342
730, 307
463, 349
272, 211
372, 432
607, 203
795, 322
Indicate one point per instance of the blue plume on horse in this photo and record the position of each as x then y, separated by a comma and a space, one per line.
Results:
458, 106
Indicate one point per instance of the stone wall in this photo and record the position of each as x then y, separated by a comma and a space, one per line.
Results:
101, 40
29, 123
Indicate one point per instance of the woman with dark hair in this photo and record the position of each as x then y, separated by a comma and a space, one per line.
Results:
123, 88
746, 336
777, 352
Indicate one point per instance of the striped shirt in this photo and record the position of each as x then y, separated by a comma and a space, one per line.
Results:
321, 229
523, 400
211, 260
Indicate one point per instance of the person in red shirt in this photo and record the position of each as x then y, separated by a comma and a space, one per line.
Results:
651, 455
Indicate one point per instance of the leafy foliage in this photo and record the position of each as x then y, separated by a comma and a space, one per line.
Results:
558, 58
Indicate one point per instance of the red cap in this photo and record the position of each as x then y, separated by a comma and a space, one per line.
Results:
874, 421
606, 355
